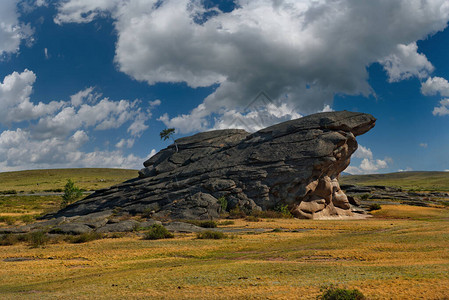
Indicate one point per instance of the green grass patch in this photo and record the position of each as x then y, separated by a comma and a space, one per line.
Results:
204, 224
38, 239
414, 181
335, 293
158, 232
374, 206
33, 205
55, 179
85, 237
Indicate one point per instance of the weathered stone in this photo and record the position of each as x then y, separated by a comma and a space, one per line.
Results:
149, 223
354, 200
71, 228
44, 225
291, 163
312, 206
198, 206
123, 226
95, 220
183, 227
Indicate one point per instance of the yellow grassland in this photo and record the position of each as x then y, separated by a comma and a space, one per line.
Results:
400, 253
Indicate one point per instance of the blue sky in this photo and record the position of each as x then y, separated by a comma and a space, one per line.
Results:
92, 83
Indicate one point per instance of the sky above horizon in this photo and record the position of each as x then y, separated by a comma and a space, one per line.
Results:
88, 83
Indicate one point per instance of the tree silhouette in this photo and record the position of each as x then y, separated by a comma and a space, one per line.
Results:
168, 134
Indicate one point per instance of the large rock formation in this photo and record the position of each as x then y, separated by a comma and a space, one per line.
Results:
295, 163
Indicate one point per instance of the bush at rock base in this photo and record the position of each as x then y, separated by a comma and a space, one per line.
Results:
158, 232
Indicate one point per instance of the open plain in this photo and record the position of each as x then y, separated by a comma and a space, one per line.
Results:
402, 252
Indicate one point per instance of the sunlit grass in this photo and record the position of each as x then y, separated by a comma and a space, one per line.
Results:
420, 181
388, 256
55, 179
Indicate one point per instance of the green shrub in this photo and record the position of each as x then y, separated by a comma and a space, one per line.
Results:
212, 235
27, 219
37, 239
157, 232
375, 206
283, 209
252, 219
8, 192
116, 235
85, 237
277, 230
9, 239
226, 222
223, 203
147, 213
204, 224
236, 213
208, 224
8, 220
334, 293
365, 196
71, 193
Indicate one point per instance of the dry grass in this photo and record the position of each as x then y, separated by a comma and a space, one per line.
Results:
389, 256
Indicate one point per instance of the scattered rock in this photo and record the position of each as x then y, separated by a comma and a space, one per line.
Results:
149, 223
71, 228
94, 220
123, 226
183, 227
16, 259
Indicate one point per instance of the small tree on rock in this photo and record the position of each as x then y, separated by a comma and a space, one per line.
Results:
71, 193
168, 134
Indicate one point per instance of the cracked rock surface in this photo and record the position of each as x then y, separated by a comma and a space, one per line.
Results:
295, 163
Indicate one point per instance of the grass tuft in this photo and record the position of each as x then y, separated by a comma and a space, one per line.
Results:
158, 232
252, 219
374, 206
204, 224
85, 237
226, 222
37, 239
334, 293
211, 235
9, 239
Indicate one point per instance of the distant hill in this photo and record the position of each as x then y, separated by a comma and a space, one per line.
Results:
420, 181
53, 179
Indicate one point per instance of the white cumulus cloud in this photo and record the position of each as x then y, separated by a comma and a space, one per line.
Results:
369, 166
443, 109
12, 31
363, 152
56, 133
434, 86
406, 62
300, 52
15, 104
363, 162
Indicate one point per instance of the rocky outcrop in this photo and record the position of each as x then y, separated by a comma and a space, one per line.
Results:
364, 196
294, 164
